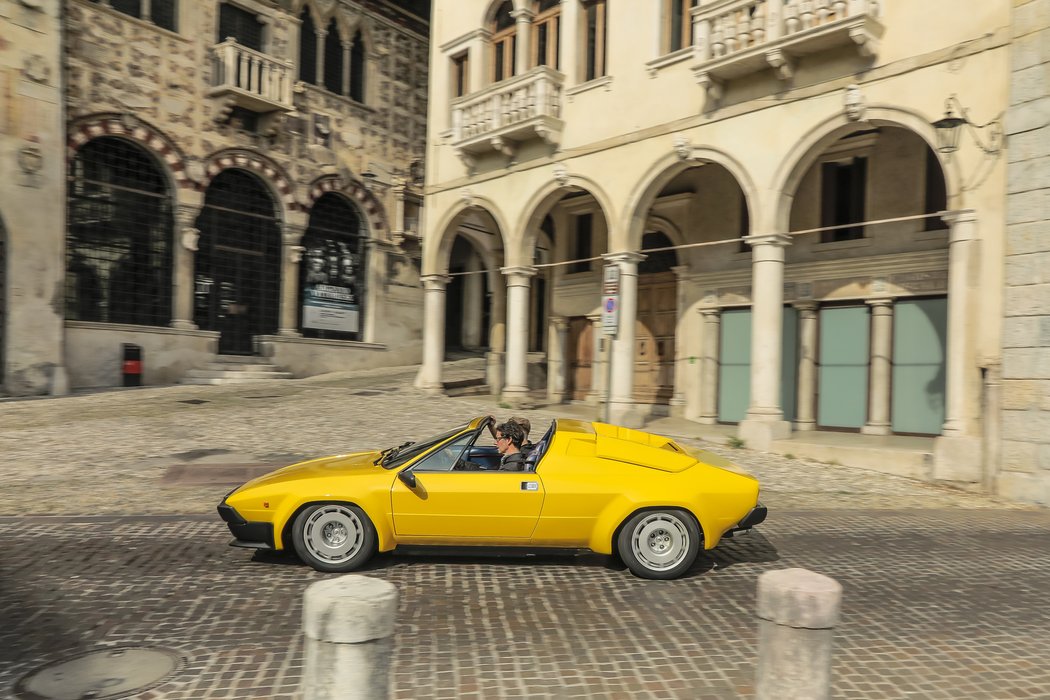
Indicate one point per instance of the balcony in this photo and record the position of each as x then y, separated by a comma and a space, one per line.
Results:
504, 115
255, 81
735, 38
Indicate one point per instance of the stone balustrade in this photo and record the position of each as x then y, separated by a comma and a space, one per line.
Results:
257, 82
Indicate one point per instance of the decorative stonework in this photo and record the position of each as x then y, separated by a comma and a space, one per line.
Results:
254, 162
369, 204
142, 133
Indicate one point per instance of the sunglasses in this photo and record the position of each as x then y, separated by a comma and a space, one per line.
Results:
501, 437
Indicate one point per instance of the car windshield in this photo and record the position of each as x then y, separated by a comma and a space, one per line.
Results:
402, 454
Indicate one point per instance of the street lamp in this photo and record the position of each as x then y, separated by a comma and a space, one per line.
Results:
949, 130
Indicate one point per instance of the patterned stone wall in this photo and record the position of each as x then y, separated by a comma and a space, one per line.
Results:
1025, 457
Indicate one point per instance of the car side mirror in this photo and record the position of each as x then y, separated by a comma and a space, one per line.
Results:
407, 477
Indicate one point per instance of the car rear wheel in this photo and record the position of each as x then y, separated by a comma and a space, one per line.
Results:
659, 544
334, 537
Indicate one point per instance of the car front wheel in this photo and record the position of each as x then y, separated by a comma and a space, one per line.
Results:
334, 537
659, 544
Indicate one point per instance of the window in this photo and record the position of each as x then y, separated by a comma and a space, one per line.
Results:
583, 241
936, 195
240, 24
546, 29
332, 271
307, 48
594, 27
333, 59
843, 187
460, 74
678, 24
445, 458
118, 244
160, 12
357, 68
504, 43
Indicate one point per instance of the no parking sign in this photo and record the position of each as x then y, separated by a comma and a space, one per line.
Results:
610, 300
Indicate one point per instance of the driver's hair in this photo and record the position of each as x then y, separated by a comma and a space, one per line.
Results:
513, 431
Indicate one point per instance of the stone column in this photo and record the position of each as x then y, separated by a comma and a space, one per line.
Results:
597, 393
765, 422
375, 265
805, 415
497, 334
433, 334
958, 451
878, 422
523, 18
291, 256
622, 409
473, 300
322, 34
712, 320
569, 44
182, 281
681, 337
557, 358
516, 389
347, 46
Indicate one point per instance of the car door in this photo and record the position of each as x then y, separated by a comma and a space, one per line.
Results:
475, 506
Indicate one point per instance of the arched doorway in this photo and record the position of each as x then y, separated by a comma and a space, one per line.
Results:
656, 321
468, 299
237, 267
332, 274
118, 240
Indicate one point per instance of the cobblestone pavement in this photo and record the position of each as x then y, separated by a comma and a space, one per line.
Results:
944, 591
938, 604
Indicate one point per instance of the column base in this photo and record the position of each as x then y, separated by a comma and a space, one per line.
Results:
433, 389
59, 385
958, 459
182, 325
760, 434
289, 333
516, 397
707, 420
626, 414
804, 425
494, 371
875, 429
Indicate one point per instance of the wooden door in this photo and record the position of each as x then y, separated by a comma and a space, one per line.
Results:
655, 338
581, 357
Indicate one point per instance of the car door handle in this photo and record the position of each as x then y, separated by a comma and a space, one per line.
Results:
530, 486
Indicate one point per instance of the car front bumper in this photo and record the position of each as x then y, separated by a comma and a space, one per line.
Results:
252, 535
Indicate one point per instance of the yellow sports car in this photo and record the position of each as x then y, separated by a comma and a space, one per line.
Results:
583, 486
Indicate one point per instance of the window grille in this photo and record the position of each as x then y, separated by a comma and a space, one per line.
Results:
333, 60
357, 69
118, 243
332, 275
242, 25
307, 48
238, 264
162, 13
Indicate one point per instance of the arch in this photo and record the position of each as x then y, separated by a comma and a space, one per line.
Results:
488, 19
665, 169
332, 80
543, 200
332, 281
270, 173
807, 149
316, 15
368, 203
435, 258
163, 150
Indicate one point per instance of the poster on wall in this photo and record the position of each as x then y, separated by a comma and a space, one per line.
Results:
330, 301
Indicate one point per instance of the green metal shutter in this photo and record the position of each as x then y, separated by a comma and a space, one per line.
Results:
734, 366
842, 401
920, 346
789, 364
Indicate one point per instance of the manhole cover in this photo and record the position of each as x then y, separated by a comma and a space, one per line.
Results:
99, 675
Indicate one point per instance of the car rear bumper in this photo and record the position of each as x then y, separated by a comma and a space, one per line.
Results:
248, 534
754, 517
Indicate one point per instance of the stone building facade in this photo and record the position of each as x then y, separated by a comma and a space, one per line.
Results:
243, 177
794, 245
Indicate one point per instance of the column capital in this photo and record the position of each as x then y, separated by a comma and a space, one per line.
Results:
595, 319
519, 271
806, 307
781, 240
435, 282
959, 215
961, 223
186, 215
292, 234
624, 257
710, 312
522, 15
560, 323
880, 303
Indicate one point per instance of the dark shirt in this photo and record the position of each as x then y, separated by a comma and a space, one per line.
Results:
512, 462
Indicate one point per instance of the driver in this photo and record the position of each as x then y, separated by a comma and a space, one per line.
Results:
509, 437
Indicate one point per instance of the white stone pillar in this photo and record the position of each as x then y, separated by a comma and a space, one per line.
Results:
322, 34
878, 422
291, 255
185, 248
711, 335
622, 409
523, 19
347, 46
433, 334
597, 393
765, 419
473, 301
516, 389
557, 358
958, 451
374, 269
805, 415
497, 334
570, 46
681, 338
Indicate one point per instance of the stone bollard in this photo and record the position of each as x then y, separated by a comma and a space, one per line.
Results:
349, 627
797, 610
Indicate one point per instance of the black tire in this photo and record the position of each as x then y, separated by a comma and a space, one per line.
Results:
659, 544
334, 537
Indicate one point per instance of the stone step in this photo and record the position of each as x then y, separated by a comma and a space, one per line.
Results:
242, 359
239, 367
234, 379
229, 374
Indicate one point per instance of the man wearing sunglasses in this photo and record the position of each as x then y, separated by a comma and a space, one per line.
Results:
509, 437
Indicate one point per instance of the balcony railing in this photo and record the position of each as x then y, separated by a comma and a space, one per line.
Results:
508, 113
740, 37
256, 81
